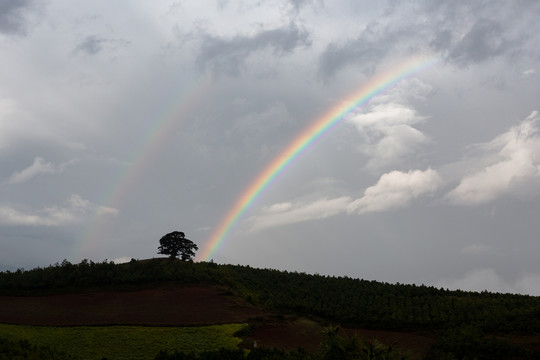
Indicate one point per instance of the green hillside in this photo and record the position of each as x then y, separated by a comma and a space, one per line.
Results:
124, 342
486, 325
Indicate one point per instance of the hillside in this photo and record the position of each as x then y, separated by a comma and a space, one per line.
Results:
279, 305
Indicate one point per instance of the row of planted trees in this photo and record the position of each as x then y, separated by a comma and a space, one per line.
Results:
342, 299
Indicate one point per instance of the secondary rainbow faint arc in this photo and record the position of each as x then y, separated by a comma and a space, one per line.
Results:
160, 130
374, 87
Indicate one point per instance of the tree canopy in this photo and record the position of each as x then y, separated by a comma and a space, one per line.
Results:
175, 244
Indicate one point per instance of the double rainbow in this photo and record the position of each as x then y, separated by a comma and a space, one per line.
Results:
374, 87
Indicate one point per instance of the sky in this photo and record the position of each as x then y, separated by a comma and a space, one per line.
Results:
123, 121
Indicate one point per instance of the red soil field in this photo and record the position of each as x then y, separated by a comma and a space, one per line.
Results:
193, 305
291, 334
184, 306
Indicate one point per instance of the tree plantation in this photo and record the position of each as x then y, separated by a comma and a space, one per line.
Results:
463, 323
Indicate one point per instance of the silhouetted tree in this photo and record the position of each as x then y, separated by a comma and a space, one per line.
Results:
175, 243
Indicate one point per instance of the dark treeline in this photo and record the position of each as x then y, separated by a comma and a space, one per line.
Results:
345, 300
335, 348
227, 354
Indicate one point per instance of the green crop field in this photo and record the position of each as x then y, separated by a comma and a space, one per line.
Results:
125, 342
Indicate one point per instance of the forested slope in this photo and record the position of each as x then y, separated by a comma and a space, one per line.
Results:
337, 299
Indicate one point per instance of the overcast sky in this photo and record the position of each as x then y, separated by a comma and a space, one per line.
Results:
123, 121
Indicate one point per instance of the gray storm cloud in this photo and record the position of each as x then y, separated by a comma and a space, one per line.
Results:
442, 167
13, 15
228, 56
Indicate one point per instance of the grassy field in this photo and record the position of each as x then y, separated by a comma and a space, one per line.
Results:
125, 342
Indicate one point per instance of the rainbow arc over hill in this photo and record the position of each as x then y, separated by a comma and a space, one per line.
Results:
375, 86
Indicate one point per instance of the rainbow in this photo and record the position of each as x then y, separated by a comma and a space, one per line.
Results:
374, 87
159, 132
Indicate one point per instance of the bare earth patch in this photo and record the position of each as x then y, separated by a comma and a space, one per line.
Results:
193, 305
287, 334
290, 334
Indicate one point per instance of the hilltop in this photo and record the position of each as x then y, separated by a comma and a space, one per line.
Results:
284, 309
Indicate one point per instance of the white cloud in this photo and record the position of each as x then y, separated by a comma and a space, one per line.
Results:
404, 92
288, 213
52, 216
528, 73
393, 190
278, 208
84, 206
104, 210
488, 279
388, 132
478, 280
513, 160
74, 211
38, 167
528, 283
396, 189
121, 260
